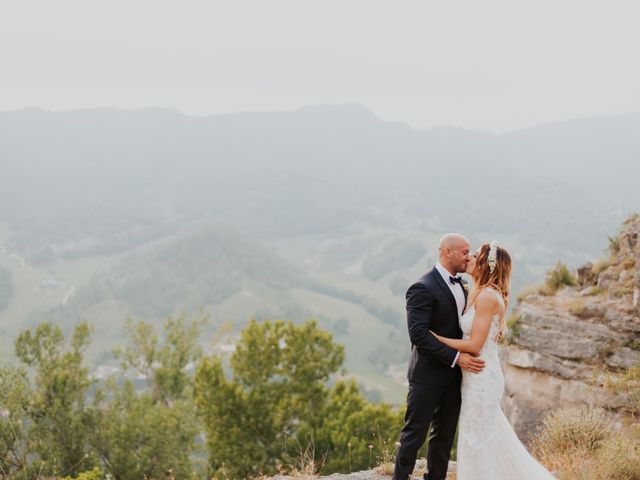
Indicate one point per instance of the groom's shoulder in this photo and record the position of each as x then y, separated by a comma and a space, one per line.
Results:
428, 278
425, 282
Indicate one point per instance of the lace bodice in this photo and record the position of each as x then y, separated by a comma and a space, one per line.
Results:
466, 323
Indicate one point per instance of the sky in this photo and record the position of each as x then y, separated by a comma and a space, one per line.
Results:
487, 65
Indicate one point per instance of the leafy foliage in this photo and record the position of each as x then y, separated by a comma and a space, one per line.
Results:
163, 365
47, 417
148, 433
352, 432
279, 374
277, 397
277, 401
139, 437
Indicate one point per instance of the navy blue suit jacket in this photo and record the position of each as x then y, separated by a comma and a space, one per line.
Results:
432, 306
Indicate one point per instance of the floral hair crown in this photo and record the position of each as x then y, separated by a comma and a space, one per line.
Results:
492, 258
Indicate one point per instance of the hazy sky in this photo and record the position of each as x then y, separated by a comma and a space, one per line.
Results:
484, 64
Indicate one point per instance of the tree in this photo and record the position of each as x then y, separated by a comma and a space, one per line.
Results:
49, 418
164, 365
15, 391
138, 437
352, 434
146, 434
279, 374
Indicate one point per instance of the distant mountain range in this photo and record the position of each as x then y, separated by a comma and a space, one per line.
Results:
324, 211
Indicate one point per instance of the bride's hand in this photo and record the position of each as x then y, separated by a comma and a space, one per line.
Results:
435, 334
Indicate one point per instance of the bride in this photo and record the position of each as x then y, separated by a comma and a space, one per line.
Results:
488, 448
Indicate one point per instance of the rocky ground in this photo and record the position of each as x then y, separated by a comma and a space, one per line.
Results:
381, 473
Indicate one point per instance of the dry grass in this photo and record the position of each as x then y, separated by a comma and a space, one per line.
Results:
578, 308
629, 263
579, 443
619, 291
594, 290
601, 265
627, 383
302, 465
536, 289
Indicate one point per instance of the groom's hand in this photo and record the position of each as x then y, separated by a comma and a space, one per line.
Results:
471, 363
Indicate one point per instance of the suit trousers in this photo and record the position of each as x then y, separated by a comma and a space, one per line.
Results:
435, 405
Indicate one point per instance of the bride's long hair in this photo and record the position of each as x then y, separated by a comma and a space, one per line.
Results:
483, 277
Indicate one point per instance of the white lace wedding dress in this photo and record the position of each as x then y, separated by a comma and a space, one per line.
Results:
488, 448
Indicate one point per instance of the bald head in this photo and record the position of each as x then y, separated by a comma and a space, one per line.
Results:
452, 240
454, 252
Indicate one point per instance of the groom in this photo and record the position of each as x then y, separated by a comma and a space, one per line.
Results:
435, 302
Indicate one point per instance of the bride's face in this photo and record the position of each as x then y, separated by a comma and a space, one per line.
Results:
471, 264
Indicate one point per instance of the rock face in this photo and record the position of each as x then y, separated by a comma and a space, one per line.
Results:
561, 343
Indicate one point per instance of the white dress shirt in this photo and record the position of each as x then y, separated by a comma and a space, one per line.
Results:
458, 294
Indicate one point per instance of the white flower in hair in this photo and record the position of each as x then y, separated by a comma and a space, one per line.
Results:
492, 258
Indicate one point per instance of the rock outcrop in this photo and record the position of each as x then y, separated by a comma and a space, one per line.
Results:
561, 343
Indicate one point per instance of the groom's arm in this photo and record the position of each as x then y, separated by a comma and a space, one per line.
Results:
420, 304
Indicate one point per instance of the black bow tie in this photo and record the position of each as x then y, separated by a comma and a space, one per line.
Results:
455, 280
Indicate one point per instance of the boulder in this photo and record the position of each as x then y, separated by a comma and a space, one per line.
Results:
586, 275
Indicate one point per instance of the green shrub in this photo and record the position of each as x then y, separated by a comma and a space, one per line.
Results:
559, 276
95, 474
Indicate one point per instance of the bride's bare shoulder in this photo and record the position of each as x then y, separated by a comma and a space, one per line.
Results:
486, 300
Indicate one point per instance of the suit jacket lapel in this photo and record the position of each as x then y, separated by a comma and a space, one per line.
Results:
445, 289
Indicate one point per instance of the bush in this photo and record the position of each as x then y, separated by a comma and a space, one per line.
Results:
619, 459
577, 429
558, 276
579, 443
614, 245
578, 308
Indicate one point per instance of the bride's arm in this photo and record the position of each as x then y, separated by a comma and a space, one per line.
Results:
486, 305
